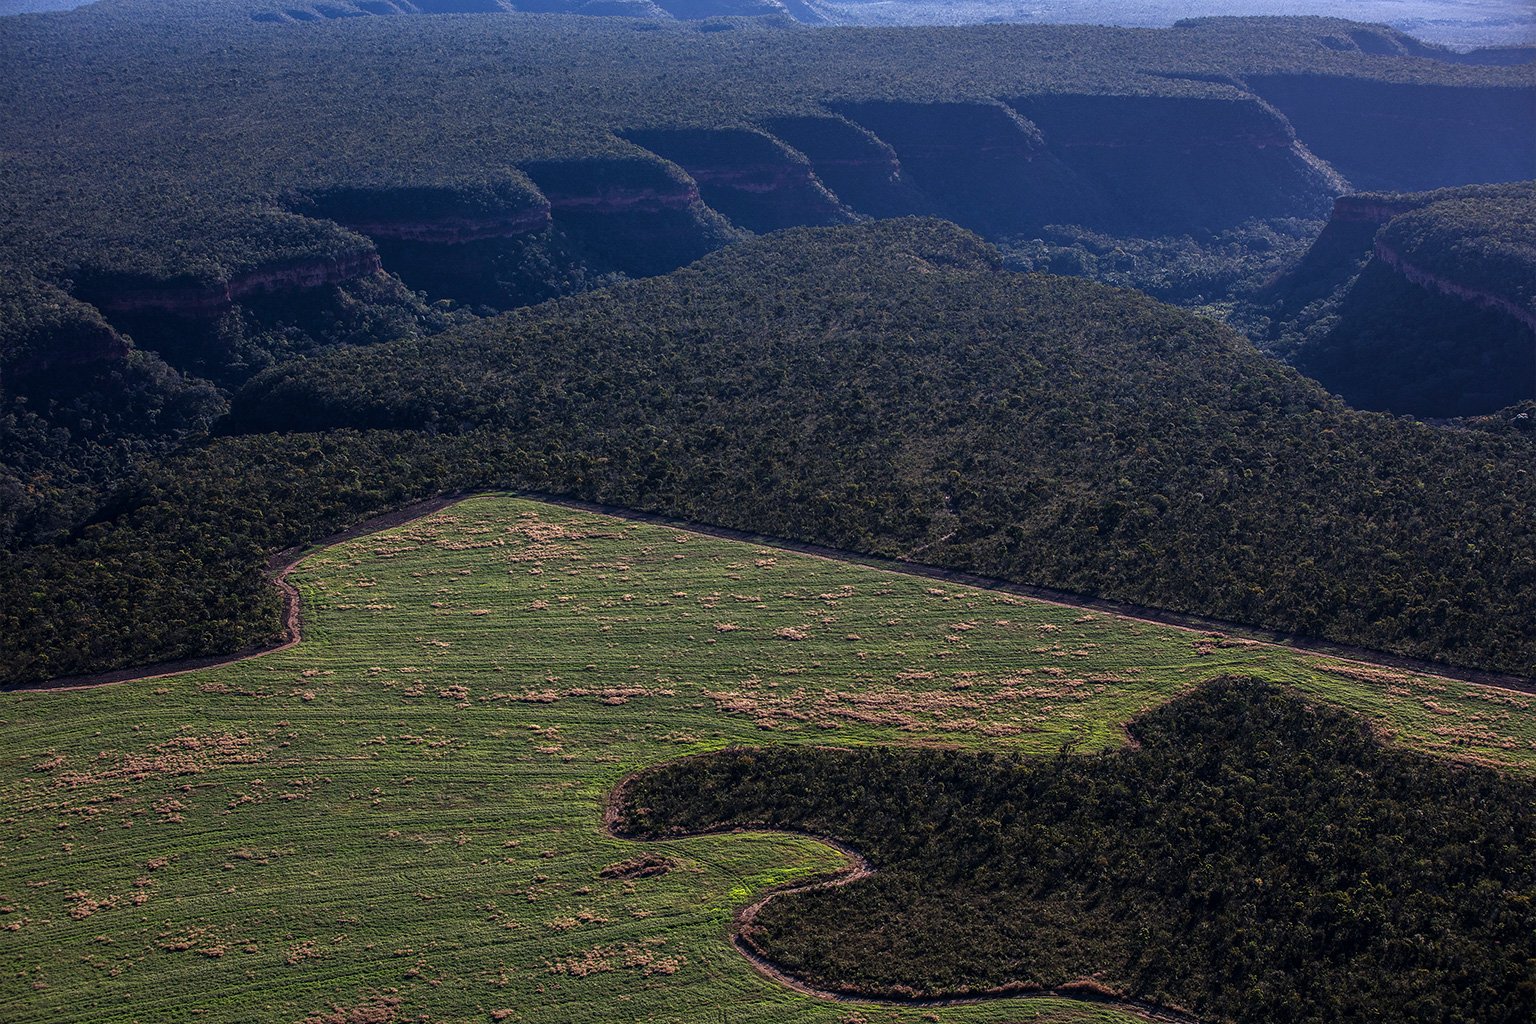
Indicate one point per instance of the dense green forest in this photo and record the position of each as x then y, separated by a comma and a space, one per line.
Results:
1421, 303
520, 157
194, 179
270, 267
1212, 269
856, 383
884, 387
1250, 858
69, 424
167, 255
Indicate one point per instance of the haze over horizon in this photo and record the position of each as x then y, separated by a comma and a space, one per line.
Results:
1462, 24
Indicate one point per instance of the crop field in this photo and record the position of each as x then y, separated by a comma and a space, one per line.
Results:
401, 817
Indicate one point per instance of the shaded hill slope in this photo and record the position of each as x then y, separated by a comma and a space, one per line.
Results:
1049, 430
1422, 303
260, 161
879, 387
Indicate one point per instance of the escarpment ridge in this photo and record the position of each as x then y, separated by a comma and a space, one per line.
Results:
126, 294
1422, 303
513, 180
1474, 294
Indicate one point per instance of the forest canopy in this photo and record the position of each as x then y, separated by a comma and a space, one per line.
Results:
882, 387
1252, 859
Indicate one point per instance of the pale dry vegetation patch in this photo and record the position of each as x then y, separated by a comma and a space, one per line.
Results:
1004, 708
179, 756
1374, 674
643, 959
647, 865
602, 694
384, 1009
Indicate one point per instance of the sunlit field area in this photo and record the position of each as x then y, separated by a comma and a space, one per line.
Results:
401, 818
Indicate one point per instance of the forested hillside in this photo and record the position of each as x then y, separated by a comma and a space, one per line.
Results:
186, 197
881, 387
272, 268
165, 246
258, 190
1421, 303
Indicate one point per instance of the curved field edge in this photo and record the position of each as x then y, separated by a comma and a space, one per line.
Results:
1243, 814
857, 867
407, 805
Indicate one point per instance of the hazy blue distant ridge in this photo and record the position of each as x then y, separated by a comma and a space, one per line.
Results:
1464, 24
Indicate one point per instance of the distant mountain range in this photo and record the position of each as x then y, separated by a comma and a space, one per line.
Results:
1463, 24
1458, 23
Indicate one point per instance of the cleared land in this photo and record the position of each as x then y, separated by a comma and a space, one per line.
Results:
403, 814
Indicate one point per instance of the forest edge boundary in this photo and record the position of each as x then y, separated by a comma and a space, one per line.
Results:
281, 563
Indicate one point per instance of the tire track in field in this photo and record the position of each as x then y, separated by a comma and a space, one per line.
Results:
282, 563
1066, 598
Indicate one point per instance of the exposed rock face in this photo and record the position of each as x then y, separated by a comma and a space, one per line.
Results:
1408, 138
434, 215
84, 344
206, 299
1445, 286
981, 164
1394, 317
487, 244
753, 179
617, 199
1170, 164
1372, 209
43, 330
1396, 345
1338, 253
456, 230
634, 215
862, 170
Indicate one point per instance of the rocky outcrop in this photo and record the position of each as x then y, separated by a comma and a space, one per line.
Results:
1337, 255
634, 215
861, 169
1369, 208
1432, 281
456, 230
84, 343
1414, 304
1170, 164
981, 164
1395, 343
755, 180
1409, 137
479, 243
618, 200
204, 299
434, 215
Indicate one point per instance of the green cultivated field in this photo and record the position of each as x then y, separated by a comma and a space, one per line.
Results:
401, 817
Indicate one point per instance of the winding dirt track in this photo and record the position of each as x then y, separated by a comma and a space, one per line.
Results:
283, 562
859, 867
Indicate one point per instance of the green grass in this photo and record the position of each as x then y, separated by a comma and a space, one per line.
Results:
408, 804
